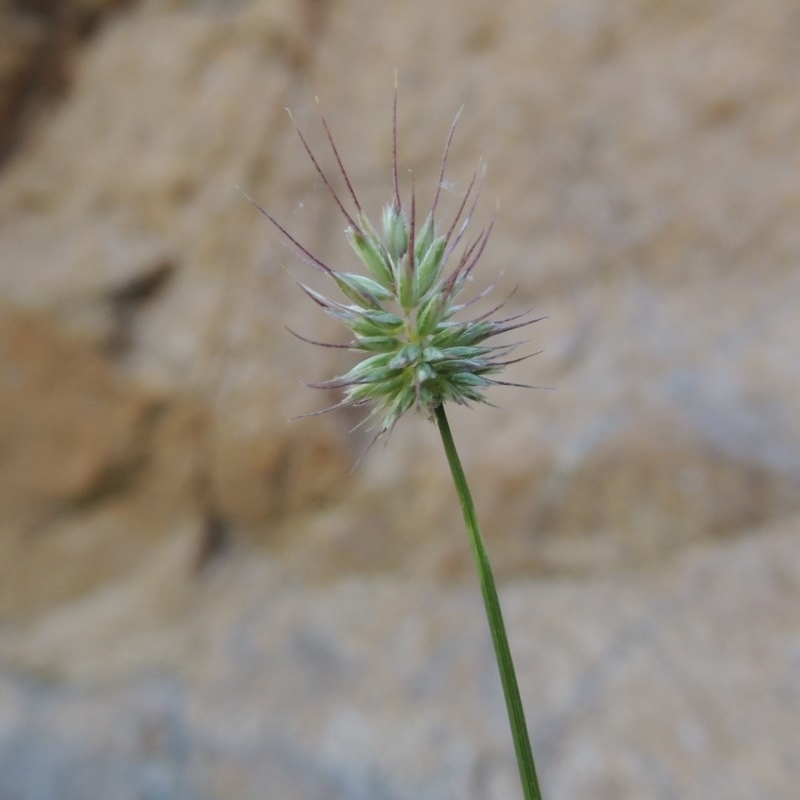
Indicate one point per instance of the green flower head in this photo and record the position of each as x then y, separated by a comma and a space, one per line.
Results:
403, 314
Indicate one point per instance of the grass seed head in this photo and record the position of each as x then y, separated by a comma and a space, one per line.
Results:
403, 313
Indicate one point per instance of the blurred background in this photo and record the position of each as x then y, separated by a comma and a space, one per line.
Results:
198, 600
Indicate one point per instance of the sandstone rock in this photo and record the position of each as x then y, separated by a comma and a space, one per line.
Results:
250, 680
645, 158
38, 39
74, 439
665, 424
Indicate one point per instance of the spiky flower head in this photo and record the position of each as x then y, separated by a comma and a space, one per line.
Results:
403, 312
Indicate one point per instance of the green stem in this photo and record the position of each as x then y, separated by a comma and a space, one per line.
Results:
516, 714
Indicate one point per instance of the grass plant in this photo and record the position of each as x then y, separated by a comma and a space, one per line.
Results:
405, 314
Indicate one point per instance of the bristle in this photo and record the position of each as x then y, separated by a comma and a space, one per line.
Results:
444, 161
307, 253
397, 204
412, 225
324, 177
339, 161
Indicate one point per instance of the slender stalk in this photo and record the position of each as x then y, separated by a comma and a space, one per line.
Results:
516, 714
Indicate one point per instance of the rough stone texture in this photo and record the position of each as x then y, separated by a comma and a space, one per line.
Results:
677, 682
38, 42
643, 515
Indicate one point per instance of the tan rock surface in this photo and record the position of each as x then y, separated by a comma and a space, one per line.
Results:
673, 682
645, 159
38, 42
